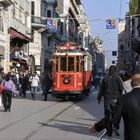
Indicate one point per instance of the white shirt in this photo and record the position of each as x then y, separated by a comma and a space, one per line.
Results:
34, 81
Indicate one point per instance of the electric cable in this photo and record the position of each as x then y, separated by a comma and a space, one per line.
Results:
120, 8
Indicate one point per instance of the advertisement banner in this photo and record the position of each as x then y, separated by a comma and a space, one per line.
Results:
110, 24
52, 23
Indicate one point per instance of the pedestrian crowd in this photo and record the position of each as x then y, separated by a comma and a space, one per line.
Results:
121, 96
23, 82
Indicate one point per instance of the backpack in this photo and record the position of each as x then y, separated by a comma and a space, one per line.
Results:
7, 85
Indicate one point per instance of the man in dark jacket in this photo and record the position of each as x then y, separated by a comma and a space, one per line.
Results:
111, 89
46, 85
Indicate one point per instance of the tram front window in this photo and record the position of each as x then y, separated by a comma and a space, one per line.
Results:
63, 64
77, 63
71, 64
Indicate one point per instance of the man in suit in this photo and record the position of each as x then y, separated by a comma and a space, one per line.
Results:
129, 109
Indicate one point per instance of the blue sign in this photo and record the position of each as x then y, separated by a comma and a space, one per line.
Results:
110, 24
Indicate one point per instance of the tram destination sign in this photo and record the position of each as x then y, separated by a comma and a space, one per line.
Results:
67, 47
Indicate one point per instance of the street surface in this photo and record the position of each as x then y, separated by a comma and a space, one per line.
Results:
51, 120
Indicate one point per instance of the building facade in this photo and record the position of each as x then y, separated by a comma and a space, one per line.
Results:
129, 39
20, 34
4, 35
64, 15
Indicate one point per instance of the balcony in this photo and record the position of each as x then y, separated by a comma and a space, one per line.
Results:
6, 3
38, 22
52, 2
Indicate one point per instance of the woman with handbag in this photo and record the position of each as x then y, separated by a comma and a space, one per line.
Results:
9, 88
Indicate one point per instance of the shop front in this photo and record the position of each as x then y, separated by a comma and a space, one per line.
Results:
18, 42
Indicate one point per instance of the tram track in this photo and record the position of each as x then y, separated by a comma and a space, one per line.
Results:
46, 123
27, 117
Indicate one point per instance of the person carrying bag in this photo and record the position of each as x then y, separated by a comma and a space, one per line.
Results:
9, 88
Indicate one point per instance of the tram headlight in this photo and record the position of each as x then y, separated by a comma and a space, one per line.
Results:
66, 80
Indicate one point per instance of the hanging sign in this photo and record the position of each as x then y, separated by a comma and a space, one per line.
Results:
52, 23
110, 24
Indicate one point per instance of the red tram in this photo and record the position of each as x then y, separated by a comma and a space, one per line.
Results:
71, 71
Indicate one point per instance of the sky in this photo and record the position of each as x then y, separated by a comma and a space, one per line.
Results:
100, 10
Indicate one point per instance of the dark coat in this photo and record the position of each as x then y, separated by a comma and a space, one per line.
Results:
25, 81
130, 111
111, 86
46, 83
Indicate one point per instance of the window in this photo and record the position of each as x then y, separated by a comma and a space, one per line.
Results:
89, 64
26, 18
49, 41
32, 8
63, 64
1, 24
14, 10
71, 64
56, 64
20, 15
32, 35
77, 63
48, 13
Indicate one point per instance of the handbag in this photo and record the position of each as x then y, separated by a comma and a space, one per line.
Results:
1, 88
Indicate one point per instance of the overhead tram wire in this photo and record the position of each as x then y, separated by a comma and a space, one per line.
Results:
120, 8
92, 20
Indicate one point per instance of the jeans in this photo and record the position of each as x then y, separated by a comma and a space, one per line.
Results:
33, 91
110, 108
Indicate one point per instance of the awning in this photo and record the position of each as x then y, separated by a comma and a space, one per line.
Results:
15, 35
